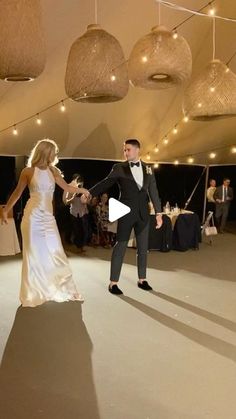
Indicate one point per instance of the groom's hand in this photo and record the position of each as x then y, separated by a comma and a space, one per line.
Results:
159, 221
85, 198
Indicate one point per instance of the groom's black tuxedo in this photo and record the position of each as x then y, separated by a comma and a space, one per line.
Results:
136, 197
130, 194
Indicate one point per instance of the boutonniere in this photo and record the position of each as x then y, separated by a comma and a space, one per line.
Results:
148, 170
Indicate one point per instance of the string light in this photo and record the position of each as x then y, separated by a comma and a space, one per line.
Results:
175, 130
175, 34
156, 149
165, 141
148, 156
62, 107
186, 118
113, 77
15, 131
211, 11
38, 120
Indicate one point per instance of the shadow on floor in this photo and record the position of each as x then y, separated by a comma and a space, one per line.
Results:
46, 369
215, 318
212, 343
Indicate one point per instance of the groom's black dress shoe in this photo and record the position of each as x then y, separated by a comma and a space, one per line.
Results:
114, 290
144, 285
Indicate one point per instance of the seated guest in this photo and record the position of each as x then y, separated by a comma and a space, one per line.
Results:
210, 195
223, 196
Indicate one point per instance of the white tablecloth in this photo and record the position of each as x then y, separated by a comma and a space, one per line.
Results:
9, 244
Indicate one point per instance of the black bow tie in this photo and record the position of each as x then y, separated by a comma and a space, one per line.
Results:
132, 164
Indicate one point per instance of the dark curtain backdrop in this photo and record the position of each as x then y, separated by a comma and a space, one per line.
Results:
175, 183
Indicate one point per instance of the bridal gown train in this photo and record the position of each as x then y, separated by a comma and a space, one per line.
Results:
46, 274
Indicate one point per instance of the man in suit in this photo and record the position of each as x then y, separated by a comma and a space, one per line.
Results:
137, 184
223, 196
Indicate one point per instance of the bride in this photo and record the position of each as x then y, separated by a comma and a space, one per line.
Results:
46, 274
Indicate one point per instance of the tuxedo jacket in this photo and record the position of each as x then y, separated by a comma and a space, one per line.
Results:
218, 194
130, 194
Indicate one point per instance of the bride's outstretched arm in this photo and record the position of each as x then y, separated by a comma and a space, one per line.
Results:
69, 188
16, 194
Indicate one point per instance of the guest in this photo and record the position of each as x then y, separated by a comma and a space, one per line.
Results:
103, 215
46, 274
210, 196
93, 222
223, 196
67, 226
79, 218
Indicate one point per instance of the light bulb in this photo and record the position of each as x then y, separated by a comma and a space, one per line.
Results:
199, 105
15, 132
233, 149
156, 149
212, 11
148, 156
144, 59
62, 107
190, 160
113, 77
212, 89
38, 120
212, 155
156, 165
186, 118
227, 70
175, 35
165, 140
175, 130
176, 162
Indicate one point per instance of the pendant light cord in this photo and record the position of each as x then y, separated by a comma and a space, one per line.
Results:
96, 11
214, 37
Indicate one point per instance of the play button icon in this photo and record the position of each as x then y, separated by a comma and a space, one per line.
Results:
117, 210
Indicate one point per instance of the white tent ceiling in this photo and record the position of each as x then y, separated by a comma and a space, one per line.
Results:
98, 130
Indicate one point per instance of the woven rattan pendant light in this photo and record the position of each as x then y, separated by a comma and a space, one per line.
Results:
96, 68
22, 48
160, 60
212, 94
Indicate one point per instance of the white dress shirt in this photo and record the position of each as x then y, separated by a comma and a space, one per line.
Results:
137, 173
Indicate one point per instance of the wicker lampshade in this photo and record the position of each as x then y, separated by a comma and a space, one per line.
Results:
212, 94
22, 48
96, 68
160, 60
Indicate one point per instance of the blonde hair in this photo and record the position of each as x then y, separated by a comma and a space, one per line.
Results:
41, 154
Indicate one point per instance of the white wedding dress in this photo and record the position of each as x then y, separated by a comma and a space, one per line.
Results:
46, 274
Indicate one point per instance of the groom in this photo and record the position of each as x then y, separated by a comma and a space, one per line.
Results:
137, 183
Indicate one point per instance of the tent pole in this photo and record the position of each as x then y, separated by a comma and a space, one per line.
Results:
205, 194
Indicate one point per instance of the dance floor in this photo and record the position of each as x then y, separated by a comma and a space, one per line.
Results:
167, 354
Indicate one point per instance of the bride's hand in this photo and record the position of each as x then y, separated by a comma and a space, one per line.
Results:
4, 219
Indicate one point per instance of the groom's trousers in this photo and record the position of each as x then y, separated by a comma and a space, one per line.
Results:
141, 230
